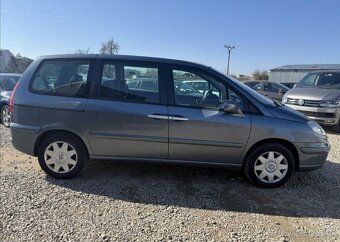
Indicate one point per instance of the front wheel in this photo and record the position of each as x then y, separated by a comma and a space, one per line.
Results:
62, 155
269, 165
6, 116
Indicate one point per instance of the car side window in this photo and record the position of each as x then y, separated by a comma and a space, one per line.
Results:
269, 87
129, 83
61, 78
253, 85
257, 87
194, 90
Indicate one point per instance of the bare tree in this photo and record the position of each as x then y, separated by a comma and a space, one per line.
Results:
109, 47
18, 64
82, 51
260, 75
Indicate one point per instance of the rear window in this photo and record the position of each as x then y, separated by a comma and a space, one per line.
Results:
61, 78
7, 83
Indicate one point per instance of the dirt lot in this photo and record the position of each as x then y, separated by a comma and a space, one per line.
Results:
126, 201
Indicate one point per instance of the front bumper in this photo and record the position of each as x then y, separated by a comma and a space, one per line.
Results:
312, 156
326, 116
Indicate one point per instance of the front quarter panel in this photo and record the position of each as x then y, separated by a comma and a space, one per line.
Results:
269, 127
312, 148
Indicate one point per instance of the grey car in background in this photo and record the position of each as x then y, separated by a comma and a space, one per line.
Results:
317, 96
268, 89
69, 109
7, 84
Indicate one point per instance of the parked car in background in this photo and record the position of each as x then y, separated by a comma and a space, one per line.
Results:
7, 84
65, 119
252, 84
317, 96
268, 89
290, 85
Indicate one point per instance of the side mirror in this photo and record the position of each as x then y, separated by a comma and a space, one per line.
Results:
231, 107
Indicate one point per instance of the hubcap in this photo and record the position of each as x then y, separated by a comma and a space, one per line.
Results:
271, 167
6, 116
60, 157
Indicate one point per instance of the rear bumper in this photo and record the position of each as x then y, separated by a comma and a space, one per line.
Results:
312, 156
326, 116
24, 137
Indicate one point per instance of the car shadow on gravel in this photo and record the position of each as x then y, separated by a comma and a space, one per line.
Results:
312, 194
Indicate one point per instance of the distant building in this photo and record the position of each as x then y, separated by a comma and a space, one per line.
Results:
5, 57
294, 73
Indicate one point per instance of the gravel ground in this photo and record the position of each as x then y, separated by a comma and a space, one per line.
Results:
123, 201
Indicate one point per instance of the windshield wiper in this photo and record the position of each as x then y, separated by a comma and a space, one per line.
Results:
277, 103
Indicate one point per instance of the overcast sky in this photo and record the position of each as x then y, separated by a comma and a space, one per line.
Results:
266, 33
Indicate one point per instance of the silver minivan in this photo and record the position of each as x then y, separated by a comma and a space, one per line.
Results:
317, 96
70, 109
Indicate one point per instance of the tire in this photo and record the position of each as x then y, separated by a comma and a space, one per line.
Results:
262, 165
5, 116
62, 155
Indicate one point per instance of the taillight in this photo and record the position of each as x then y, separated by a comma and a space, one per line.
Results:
11, 100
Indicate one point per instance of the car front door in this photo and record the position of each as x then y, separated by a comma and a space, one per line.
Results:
198, 130
123, 121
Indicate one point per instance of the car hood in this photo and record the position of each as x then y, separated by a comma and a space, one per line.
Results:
285, 112
5, 94
317, 94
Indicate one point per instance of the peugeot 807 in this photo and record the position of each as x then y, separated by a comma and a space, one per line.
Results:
69, 109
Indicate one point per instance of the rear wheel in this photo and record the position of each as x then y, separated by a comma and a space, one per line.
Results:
269, 165
6, 116
62, 155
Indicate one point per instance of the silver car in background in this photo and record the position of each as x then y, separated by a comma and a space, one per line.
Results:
317, 96
70, 109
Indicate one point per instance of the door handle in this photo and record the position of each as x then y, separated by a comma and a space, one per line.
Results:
178, 118
158, 116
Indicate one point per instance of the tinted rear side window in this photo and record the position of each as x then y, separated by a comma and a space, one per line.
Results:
129, 83
61, 78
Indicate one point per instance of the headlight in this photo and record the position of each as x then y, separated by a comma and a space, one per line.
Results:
316, 128
330, 103
284, 99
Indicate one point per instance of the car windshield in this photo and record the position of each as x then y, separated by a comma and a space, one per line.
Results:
285, 88
329, 80
7, 83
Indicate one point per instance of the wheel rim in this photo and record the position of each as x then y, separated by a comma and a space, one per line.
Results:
60, 157
271, 167
6, 116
